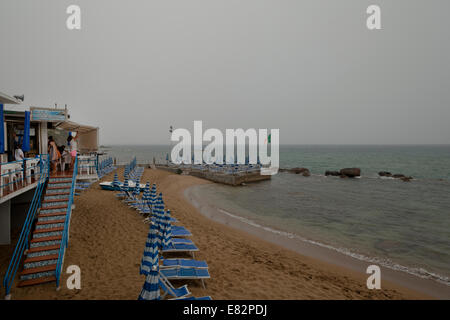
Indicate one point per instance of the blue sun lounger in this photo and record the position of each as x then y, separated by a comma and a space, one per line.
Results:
182, 240
180, 247
186, 274
183, 263
178, 231
168, 288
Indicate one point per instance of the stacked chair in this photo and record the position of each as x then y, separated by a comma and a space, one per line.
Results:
105, 167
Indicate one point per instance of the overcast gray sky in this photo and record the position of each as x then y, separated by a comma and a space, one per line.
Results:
308, 67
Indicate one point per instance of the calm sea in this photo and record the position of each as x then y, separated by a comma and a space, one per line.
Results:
405, 226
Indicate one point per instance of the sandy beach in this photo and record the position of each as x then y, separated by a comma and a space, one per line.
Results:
107, 240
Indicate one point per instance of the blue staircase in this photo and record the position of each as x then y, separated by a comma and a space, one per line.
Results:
42, 257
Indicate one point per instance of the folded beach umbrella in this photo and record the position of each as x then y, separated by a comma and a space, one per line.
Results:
137, 188
116, 183
158, 218
159, 214
146, 192
153, 197
150, 290
147, 188
125, 184
150, 257
167, 233
146, 203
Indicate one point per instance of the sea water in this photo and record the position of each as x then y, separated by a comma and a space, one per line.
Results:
402, 225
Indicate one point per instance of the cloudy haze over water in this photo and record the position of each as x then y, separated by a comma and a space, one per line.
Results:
310, 68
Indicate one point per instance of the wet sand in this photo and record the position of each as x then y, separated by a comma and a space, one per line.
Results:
107, 241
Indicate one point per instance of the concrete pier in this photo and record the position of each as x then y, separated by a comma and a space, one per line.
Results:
229, 179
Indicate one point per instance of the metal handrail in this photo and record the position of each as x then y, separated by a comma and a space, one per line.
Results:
65, 234
22, 243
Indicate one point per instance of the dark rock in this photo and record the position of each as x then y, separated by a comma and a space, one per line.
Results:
385, 174
306, 173
332, 173
350, 172
299, 170
402, 177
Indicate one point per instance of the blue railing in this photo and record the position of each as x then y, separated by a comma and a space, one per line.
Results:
65, 234
21, 169
23, 242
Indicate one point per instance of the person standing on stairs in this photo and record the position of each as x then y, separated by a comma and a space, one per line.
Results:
73, 147
54, 153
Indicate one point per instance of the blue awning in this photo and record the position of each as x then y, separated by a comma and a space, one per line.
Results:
26, 133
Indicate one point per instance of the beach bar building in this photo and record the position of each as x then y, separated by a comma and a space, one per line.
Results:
30, 128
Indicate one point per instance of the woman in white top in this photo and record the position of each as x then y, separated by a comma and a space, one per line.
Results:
18, 153
73, 146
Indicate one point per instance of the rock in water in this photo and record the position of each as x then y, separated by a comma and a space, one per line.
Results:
332, 173
350, 172
385, 174
300, 170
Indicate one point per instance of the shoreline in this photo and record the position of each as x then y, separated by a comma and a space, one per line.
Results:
427, 287
107, 239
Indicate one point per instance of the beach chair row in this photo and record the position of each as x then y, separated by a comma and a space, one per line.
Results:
164, 238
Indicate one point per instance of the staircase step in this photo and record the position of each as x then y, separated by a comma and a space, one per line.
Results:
39, 264
57, 194
54, 205
55, 200
59, 179
44, 244
31, 282
58, 206
51, 267
32, 276
57, 188
51, 238
42, 253
41, 258
60, 185
53, 181
50, 225
38, 235
42, 223
51, 219
52, 214
48, 230
45, 248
